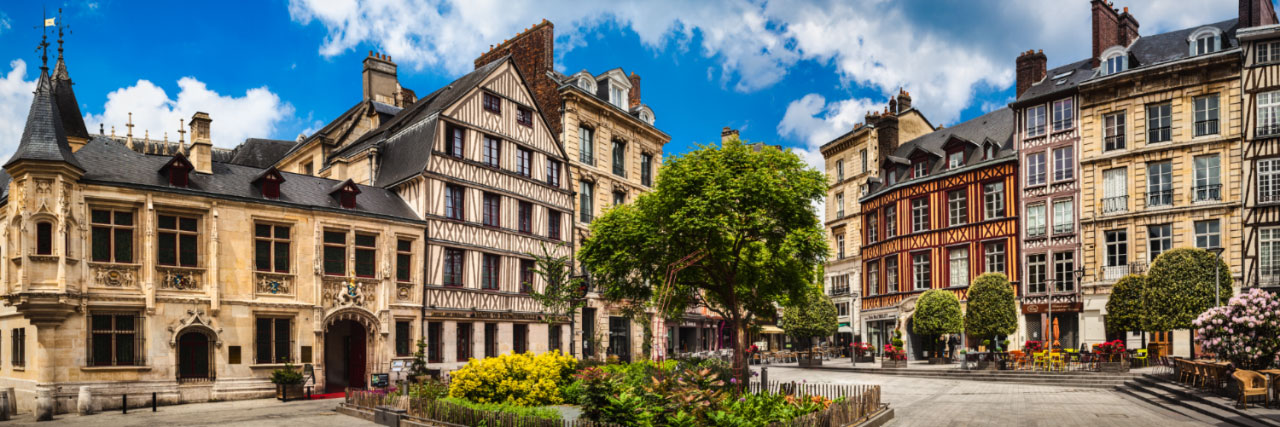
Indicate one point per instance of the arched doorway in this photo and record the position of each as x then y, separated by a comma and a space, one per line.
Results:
344, 355
193, 357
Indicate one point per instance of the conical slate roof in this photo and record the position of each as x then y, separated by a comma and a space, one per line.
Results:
43, 138
72, 121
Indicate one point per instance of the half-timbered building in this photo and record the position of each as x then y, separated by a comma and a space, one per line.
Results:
940, 213
1260, 88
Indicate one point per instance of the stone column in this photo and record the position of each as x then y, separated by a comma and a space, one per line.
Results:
84, 402
46, 371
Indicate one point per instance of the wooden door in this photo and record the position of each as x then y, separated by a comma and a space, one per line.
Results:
1160, 344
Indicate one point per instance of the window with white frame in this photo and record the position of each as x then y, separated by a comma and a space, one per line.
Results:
1063, 216
617, 96
872, 227
993, 254
1063, 115
993, 200
1208, 185
1159, 122
1159, 240
955, 159
839, 170
920, 169
1036, 169
1205, 114
840, 245
958, 266
1064, 164
1269, 254
1064, 265
919, 214
1204, 41
1117, 246
890, 221
1269, 113
1207, 234
1115, 63
863, 154
1035, 220
1269, 180
1113, 131
1266, 52
920, 270
1115, 190
839, 205
873, 278
891, 274
957, 208
1037, 272
1035, 121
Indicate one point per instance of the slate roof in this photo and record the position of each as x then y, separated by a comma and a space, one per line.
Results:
110, 162
43, 137
994, 127
72, 120
1172, 46
567, 82
1079, 72
259, 153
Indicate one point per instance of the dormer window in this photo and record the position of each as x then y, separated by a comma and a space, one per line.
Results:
955, 159
1114, 60
989, 152
648, 118
585, 84
268, 183
345, 192
617, 96
177, 170
1205, 40
890, 176
919, 169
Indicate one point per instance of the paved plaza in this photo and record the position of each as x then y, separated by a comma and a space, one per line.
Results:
258, 412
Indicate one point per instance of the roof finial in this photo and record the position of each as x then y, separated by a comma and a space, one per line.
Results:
113, 131
61, 26
101, 129
128, 133
182, 132
44, 42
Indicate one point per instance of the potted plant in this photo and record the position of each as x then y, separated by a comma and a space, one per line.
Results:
862, 353
1111, 356
894, 356
288, 381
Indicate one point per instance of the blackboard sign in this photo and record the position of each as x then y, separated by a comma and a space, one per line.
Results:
380, 380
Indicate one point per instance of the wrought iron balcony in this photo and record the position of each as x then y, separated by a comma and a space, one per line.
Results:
1267, 130
1115, 204
1210, 193
1063, 228
1111, 273
1272, 196
1036, 230
839, 290
1160, 198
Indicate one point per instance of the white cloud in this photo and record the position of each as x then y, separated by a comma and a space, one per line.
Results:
15, 101
814, 121
4, 23
257, 113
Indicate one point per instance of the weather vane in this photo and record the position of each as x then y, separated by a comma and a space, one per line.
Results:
43, 48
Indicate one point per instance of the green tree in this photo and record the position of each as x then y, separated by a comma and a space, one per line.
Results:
1180, 287
992, 311
562, 294
810, 317
745, 213
1124, 305
937, 312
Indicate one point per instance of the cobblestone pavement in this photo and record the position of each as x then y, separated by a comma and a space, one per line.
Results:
947, 402
258, 412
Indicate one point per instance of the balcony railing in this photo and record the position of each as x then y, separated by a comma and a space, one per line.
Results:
1115, 204
1063, 228
1158, 198
1272, 196
839, 290
1207, 193
1036, 230
1111, 273
1268, 130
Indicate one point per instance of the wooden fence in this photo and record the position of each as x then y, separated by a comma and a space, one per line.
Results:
830, 391
860, 403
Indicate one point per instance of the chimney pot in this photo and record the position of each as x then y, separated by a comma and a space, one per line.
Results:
1030, 68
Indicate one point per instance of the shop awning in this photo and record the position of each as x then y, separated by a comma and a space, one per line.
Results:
770, 329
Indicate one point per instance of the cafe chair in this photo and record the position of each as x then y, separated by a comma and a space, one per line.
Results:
1251, 384
1141, 357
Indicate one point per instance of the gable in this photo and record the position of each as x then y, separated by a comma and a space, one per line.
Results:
506, 83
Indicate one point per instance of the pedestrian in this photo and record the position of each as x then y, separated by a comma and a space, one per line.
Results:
951, 345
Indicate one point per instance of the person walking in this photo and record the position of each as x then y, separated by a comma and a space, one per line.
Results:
951, 346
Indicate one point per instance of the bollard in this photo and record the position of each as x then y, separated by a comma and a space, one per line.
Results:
764, 379
124, 403
153, 401
4, 405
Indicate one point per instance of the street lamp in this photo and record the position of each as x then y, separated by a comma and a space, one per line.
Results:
1217, 254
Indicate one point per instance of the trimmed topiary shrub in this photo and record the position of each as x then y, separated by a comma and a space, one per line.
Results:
518, 379
992, 311
1245, 331
1180, 286
810, 317
937, 312
1124, 305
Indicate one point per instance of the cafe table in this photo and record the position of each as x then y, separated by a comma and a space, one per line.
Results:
1271, 383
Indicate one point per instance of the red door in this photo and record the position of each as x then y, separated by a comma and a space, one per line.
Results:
355, 358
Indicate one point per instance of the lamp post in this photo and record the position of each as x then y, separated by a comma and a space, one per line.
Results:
1217, 257
1079, 274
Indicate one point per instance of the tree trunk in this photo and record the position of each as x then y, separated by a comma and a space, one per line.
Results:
740, 369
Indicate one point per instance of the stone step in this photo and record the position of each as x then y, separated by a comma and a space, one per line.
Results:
1169, 394
1148, 398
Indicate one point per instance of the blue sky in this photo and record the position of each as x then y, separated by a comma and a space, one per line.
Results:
791, 72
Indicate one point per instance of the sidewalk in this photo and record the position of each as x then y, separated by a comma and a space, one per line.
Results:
257, 412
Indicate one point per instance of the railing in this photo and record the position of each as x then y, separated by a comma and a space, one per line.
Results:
840, 214
1111, 273
1269, 197
1063, 228
839, 290
1159, 197
1267, 130
1210, 192
1115, 204
1036, 230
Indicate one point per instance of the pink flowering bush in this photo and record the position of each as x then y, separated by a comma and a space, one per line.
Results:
1245, 332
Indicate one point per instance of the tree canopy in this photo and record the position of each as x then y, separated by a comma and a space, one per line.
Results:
1180, 287
744, 213
810, 317
991, 311
937, 312
1124, 305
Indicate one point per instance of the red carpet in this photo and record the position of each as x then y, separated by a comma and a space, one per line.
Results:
337, 395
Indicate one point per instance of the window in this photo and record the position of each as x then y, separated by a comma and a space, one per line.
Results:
1035, 121
1204, 43
1115, 64
839, 170
492, 210
272, 340
526, 275
1064, 164
1159, 239
1269, 254
404, 260
1115, 190
989, 152
1035, 220
1160, 184
839, 205
840, 245
366, 254
553, 224
1064, 266
465, 333
1036, 273
863, 153
492, 103
1269, 113
1159, 119
520, 338
585, 210
1207, 184
308, 168
1035, 169
646, 169
959, 266
891, 175
873, 278
524, 116
19, 347
453, 202
1063, 115
402, 338
335, 253
872, 223
1117, 243
890, 221
492, 151
44, 238
619, 158
619, 197
1205, 112
524, 217
177, 242
993, 254
115, 340
919, 169
993, 200
490, 275
1207, 235
957, 208
1269, 180
524, 162
453, 267
919, 214
1113, 131
490, 339
955, 159
1063, 217
435, 342
891, 273
112, 235
920, 270
617, 97
271, 247
587, 152
553, 173
1267, 52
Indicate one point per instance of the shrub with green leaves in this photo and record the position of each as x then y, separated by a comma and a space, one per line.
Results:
1124, 305
991, 311
507, 408
1180, 287
809, 317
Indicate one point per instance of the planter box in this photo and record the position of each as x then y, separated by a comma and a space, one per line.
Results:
865, 359
1113, 366
287, 392
809, 363
939, 360
893, 364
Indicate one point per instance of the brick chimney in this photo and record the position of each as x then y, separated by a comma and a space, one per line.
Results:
533, 51
728, 134
1106, 28
380, 82
887, 134
201, 145
904, 100
634, 96
1031, 69
1128, 28
1256, 13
